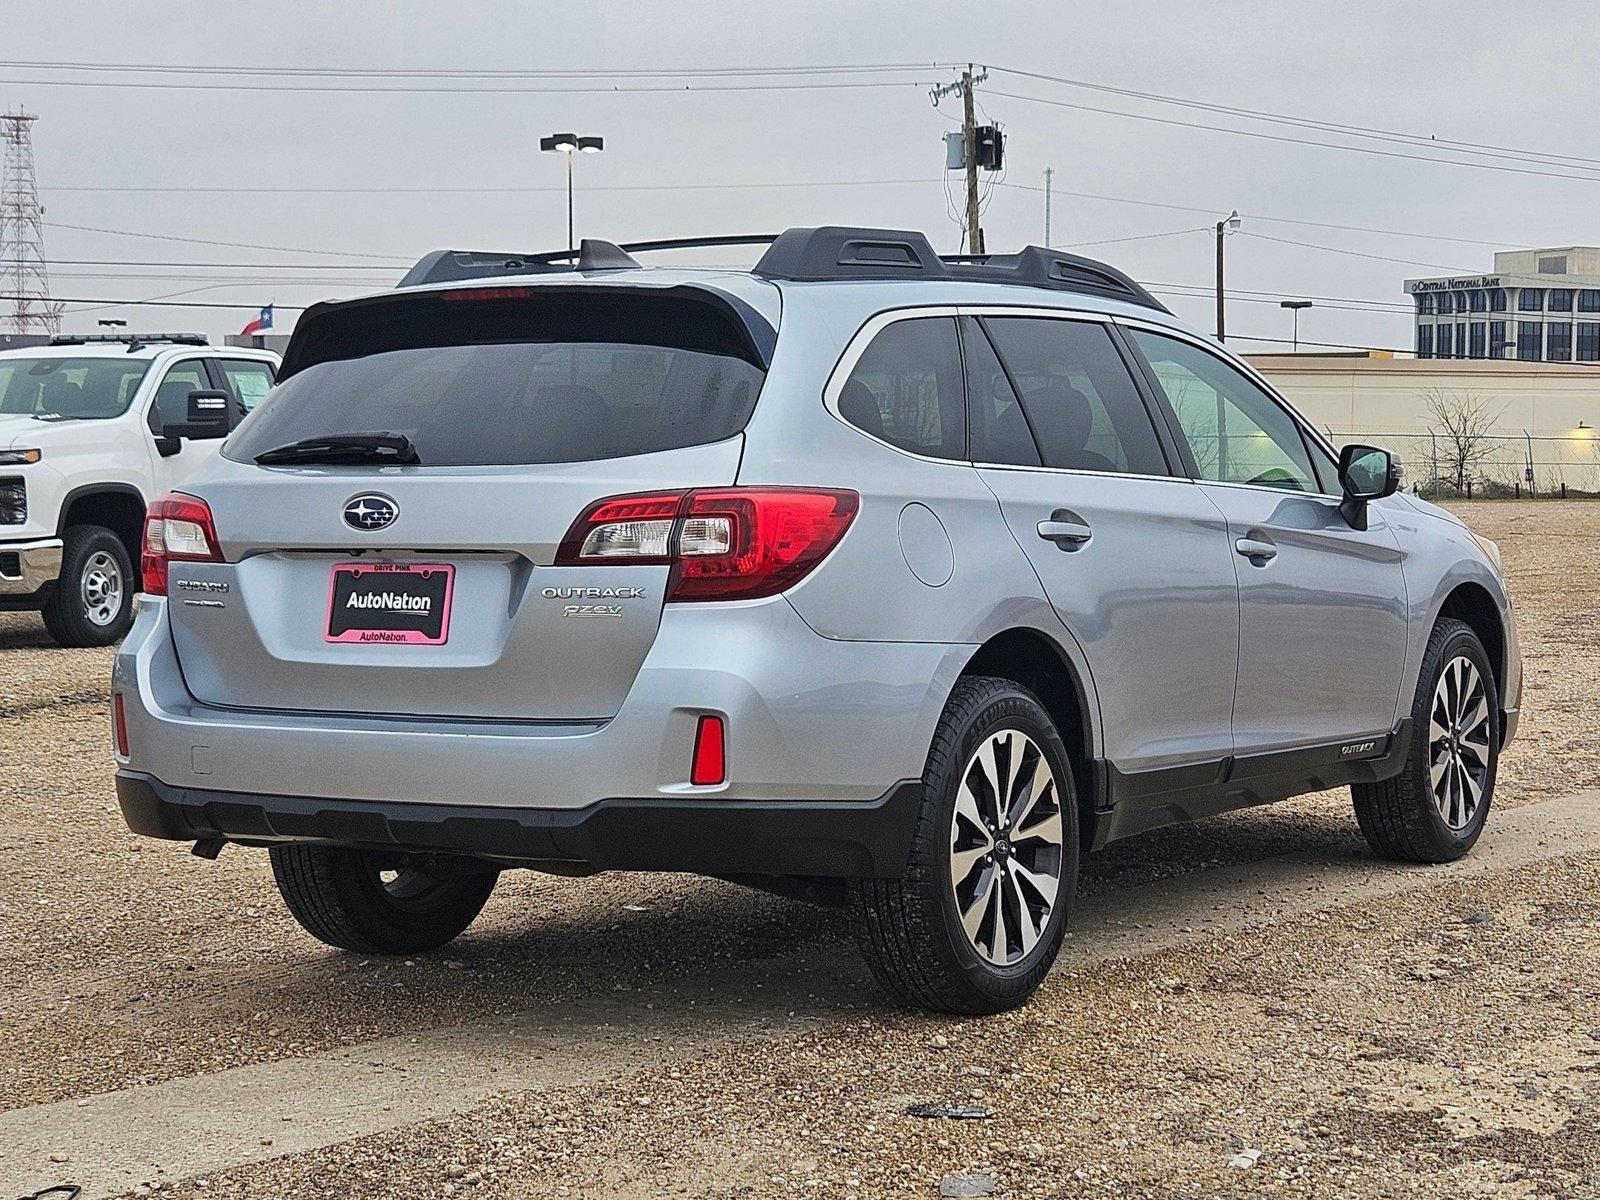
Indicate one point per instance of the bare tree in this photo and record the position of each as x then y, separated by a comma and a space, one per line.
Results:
1463, 439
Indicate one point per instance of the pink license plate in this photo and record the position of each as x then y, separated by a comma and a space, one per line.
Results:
396, 603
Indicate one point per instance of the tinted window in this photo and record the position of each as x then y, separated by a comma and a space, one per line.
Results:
1530, 340
544, 378
249, 380
997, 428
906, 388
1530, 299
172, 397
1080, 400
1588, 341
1558, 347
79, 388
1236, 431
1560, 299
1424, 341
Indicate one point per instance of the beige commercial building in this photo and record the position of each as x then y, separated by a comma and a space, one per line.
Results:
1543, 412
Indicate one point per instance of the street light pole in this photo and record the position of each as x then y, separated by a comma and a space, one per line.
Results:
567, 144
1228, 224
1296, 306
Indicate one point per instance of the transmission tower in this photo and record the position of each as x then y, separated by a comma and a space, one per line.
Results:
22, 267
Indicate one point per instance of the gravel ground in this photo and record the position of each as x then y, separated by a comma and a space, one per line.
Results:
1386, 1049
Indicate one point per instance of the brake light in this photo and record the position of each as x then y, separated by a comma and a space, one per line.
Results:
484, 294
722, 543
177, 528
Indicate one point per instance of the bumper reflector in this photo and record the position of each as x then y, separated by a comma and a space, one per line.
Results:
119, 719
710, 754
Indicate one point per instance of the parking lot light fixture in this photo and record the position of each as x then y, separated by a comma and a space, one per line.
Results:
568, 144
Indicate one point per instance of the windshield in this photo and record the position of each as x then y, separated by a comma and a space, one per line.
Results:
82, 389
570, 383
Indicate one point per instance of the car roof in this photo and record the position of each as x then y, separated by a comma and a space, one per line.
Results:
141, 353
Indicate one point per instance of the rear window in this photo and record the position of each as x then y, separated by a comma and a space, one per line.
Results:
541, 378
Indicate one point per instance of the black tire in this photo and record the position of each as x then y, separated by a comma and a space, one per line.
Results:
86, 549
910, 928
1399, 817
340, 897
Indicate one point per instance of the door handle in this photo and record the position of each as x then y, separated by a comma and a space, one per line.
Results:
1258, 552
1066, 534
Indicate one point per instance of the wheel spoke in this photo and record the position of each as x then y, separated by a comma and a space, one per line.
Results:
972, 916
1040, 782
1000, 945
962, 862
967, 810
1045, 886
1026, 926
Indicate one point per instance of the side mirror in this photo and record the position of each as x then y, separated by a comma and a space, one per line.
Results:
209, 417
1366, 473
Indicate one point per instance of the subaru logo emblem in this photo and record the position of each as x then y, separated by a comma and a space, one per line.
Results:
370, 511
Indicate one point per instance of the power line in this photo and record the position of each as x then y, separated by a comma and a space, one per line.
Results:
613, 90
1389, 135
465, 72
1294, 141
169, 237
1409, 262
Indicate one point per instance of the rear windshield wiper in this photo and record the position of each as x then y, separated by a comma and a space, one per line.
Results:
345, 447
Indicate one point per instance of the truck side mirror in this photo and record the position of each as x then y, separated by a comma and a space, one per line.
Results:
1366, 473
209, 417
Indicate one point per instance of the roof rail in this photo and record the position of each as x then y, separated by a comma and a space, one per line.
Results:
133, 340
827, 252
449, 266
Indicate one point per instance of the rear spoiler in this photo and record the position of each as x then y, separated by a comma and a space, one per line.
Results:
346, 329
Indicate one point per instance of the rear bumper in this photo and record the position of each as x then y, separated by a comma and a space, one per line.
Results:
28, 568
840, 839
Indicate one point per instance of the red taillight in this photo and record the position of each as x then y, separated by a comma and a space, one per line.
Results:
710, 753
723, 543
177, 528
119, 723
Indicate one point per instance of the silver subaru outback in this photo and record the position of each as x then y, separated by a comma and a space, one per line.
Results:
867, 575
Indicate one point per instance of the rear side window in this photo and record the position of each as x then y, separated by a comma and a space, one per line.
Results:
906, 389
250, 380
537, 377
1081, 402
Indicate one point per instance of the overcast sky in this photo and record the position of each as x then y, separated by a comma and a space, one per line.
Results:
1521, 77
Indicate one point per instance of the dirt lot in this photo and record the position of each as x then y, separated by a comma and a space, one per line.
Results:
1371, 1032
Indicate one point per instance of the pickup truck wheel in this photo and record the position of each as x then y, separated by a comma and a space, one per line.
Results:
975, 922
92, 604
380, 903
1434, 810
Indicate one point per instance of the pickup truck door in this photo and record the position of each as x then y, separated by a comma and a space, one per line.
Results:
172, 465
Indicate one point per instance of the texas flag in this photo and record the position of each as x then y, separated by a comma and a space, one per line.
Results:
263, 322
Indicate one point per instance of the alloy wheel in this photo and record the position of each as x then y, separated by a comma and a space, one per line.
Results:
1006, 847
1458, 742
101, 585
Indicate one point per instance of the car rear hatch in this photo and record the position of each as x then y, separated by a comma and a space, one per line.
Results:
354, 581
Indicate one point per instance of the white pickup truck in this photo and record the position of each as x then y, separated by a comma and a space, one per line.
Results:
92, 428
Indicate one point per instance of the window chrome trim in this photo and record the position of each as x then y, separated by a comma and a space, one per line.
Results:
1307, 429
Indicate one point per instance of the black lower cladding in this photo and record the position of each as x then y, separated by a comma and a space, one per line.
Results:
704, 835
1145, 800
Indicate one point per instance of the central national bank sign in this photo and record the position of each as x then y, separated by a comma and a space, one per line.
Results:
1455, 285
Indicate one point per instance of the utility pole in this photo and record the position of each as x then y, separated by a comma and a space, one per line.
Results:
969, 147
22, 263
1049, 174
1228, 224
